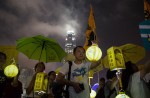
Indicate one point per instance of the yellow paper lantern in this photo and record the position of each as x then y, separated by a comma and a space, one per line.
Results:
115, 58
11, 70
41, 83
93, 53
122, 95
92, 94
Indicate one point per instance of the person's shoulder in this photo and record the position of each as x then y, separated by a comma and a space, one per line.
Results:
136, 77
87, 62
20, 83
1, 72
136, 74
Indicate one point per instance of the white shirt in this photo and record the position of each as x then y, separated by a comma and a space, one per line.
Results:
138, 88
79, 74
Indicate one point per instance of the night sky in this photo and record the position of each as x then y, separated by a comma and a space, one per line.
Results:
117, 21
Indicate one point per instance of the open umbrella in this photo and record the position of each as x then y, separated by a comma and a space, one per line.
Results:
132, 52
41, 48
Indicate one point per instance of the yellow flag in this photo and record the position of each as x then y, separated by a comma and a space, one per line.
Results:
91, 35
10, 52
146, 10
91, 20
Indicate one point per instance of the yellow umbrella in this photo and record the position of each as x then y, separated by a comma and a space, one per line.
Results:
132, 52
105, 62
69, 57
57, 70
96, 69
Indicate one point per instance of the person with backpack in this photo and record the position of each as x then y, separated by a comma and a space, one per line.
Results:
78, 83
100, 90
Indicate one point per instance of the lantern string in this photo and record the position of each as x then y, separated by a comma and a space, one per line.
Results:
13, 61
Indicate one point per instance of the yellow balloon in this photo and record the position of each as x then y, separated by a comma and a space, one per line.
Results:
11, 71
93, 53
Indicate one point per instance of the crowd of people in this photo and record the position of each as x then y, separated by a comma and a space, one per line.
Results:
74, 77
134, 83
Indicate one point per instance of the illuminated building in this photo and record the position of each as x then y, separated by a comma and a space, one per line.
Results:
70, 43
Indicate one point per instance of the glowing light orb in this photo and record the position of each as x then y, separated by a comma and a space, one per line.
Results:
122, 95
92, 94
11, 71
94, 53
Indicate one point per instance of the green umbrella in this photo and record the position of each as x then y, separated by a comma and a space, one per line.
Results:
41, 48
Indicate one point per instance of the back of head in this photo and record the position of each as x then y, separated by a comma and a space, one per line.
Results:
51, 73
131, 68
147, 66
3, 54
102, 79
110, 74
2, 59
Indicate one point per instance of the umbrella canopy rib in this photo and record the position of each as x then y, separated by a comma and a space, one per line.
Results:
52, 46
43, 44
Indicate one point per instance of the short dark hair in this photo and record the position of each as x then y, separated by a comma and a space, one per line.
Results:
51, 73
102, 79
74, 50
110, 74
39, 63
1, 53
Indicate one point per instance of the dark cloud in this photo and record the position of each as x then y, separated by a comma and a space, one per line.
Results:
27, 18
116, 20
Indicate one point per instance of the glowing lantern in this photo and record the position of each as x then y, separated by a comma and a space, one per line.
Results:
94, 53
92, 94
122, 95
41, 83
11, 70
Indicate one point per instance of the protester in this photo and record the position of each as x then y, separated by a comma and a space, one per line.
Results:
3, 77
100, 91
138, 86
13, 89
111, 86
29, 86
127, 73
78, 84
51, 78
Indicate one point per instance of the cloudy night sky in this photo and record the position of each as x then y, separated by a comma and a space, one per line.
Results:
117, 21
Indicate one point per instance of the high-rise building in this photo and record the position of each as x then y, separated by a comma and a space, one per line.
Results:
70, 43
